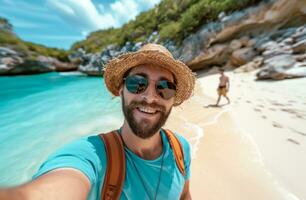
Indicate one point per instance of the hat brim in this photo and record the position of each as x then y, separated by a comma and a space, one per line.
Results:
116, 68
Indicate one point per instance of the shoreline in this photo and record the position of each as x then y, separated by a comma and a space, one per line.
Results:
229, 161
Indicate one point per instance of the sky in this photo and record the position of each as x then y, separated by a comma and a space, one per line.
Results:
60, 23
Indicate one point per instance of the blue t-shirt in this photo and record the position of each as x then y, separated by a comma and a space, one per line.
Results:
88, 155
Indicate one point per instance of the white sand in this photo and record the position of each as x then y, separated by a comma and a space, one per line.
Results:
253, 148
273, 113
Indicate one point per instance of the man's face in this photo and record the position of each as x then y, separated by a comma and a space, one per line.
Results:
147, 112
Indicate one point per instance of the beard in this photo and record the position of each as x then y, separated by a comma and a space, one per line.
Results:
144, 129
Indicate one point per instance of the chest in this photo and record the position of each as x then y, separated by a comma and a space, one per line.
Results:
150, 179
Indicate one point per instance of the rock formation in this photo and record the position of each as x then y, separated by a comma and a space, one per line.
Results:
16, 58
269, 37
257, 37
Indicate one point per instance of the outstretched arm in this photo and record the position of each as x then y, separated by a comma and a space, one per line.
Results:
65, 183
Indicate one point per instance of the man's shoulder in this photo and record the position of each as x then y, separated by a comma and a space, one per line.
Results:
88, 146
182, 139
184, 142
86, 141
84, 154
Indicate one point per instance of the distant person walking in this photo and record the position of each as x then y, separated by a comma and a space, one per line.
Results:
223, 87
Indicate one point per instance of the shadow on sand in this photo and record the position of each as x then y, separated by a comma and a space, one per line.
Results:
215, 106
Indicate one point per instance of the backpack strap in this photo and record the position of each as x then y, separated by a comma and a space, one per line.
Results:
115, 168
116, 163
177, 150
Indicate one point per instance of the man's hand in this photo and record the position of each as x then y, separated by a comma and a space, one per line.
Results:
66, 183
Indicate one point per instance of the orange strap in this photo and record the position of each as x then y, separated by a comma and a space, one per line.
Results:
115, 169
177, 150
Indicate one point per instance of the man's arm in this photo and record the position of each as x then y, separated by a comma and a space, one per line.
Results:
186, 192
228, 84
65, 183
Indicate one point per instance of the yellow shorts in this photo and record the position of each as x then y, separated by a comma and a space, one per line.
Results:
222, 91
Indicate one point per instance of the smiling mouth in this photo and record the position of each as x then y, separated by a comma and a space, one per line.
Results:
147, 110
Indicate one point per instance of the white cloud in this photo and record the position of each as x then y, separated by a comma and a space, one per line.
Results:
101, 8
146, 4
23, 5
64, 8
81, 14
124, 9
84, 33
25, 9
26, 24
87, 17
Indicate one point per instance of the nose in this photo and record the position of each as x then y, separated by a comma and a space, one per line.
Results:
150, 95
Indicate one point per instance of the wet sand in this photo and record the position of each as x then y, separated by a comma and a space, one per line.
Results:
237, 153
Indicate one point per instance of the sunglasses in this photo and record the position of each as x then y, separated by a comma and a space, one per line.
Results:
137, 84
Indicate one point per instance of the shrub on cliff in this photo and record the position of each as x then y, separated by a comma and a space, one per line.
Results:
173, 19
27, 49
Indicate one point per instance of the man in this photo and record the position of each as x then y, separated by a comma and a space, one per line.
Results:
150, 82
223, 87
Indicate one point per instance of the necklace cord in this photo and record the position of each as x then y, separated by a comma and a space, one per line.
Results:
138, 173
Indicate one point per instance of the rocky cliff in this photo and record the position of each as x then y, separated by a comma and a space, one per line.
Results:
270, 36
20, 57
240, 35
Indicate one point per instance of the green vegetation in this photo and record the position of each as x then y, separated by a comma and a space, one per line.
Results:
28, 49
173, 19
98, 40
37, 49
3, 21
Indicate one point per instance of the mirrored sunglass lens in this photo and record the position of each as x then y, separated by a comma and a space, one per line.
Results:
136, 84
166, 89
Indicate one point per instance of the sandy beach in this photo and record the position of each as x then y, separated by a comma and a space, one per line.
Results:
253, 148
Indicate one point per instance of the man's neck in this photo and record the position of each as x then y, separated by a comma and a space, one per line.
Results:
148, 149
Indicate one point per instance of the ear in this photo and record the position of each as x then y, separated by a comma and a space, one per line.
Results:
121, 90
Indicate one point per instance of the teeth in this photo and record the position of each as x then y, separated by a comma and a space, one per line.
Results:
147, 110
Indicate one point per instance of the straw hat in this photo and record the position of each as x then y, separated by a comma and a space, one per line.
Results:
150, 54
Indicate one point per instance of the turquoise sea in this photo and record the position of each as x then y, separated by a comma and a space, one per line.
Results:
40, 113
